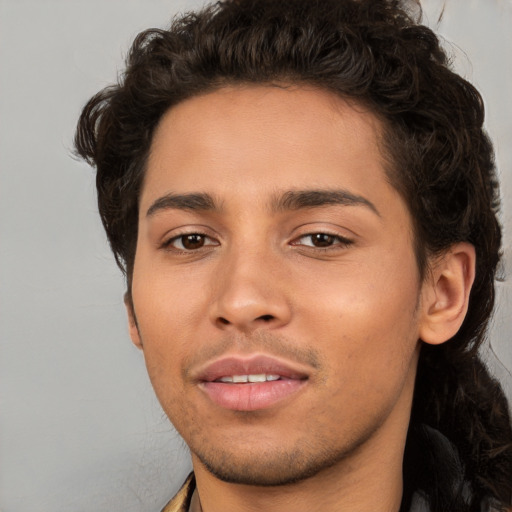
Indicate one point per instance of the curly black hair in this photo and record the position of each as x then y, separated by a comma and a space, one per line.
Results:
439, 159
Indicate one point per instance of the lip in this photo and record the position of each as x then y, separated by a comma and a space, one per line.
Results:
251, 396
236, 365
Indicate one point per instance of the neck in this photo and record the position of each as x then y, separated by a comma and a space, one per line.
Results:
370, 478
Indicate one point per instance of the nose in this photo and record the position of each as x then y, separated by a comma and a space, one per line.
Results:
250, 293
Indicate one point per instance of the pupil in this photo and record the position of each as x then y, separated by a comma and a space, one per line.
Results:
193, 241
322, 240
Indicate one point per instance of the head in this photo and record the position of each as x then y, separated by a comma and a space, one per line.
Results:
370, 63
440, 160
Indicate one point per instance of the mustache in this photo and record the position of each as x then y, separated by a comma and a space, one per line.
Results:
257, 342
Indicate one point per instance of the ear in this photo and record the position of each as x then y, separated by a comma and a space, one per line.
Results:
132, 321
445, 294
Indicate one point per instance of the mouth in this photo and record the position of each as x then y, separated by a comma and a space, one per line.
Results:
250, 384
242, 379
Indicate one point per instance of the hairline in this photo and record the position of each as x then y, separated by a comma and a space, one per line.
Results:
384, 138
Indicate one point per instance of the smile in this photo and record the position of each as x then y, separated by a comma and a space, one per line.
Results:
240, 379
251, 384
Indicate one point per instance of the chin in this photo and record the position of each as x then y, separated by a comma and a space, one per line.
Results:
272, 467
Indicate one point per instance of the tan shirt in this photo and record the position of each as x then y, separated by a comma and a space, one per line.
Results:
187, 499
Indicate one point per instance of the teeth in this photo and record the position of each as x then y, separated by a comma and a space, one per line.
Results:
257, 378
260, 377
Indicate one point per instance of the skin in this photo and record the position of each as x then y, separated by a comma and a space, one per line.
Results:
332, 288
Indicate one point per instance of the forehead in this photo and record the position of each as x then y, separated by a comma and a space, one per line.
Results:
255, 139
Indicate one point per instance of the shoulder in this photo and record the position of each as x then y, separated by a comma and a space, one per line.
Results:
181, 501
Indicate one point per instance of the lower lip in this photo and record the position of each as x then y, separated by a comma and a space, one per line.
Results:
251, 396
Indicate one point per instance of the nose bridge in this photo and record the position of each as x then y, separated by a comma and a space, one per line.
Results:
248, 289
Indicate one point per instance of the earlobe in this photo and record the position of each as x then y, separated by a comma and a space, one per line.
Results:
445, 294
132, 321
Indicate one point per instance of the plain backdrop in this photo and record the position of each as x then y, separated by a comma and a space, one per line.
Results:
80, 429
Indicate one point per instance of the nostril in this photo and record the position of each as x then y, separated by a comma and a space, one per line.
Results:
245, 323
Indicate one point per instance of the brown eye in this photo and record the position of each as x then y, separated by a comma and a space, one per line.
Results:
322, 239
190, 242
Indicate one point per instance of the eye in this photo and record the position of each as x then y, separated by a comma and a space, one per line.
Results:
321, 240
190, 242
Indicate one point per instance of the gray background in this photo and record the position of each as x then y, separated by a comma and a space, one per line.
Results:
80, 429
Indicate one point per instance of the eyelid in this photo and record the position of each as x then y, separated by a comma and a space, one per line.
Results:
340, 243
180, 233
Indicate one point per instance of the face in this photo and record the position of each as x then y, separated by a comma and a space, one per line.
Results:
275, 288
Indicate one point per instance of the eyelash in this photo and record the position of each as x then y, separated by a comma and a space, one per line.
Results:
337, 242
168, 244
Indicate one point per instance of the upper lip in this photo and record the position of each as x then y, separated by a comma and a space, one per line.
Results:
253, 365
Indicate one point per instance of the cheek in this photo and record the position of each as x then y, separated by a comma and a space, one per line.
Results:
166, 301
159, 310
365, 316
374, 291
369, 343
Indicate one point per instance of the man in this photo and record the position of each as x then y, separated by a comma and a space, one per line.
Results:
304, 203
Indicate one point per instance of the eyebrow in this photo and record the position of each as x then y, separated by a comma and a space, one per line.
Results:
301, 199
289, 200
192, 202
